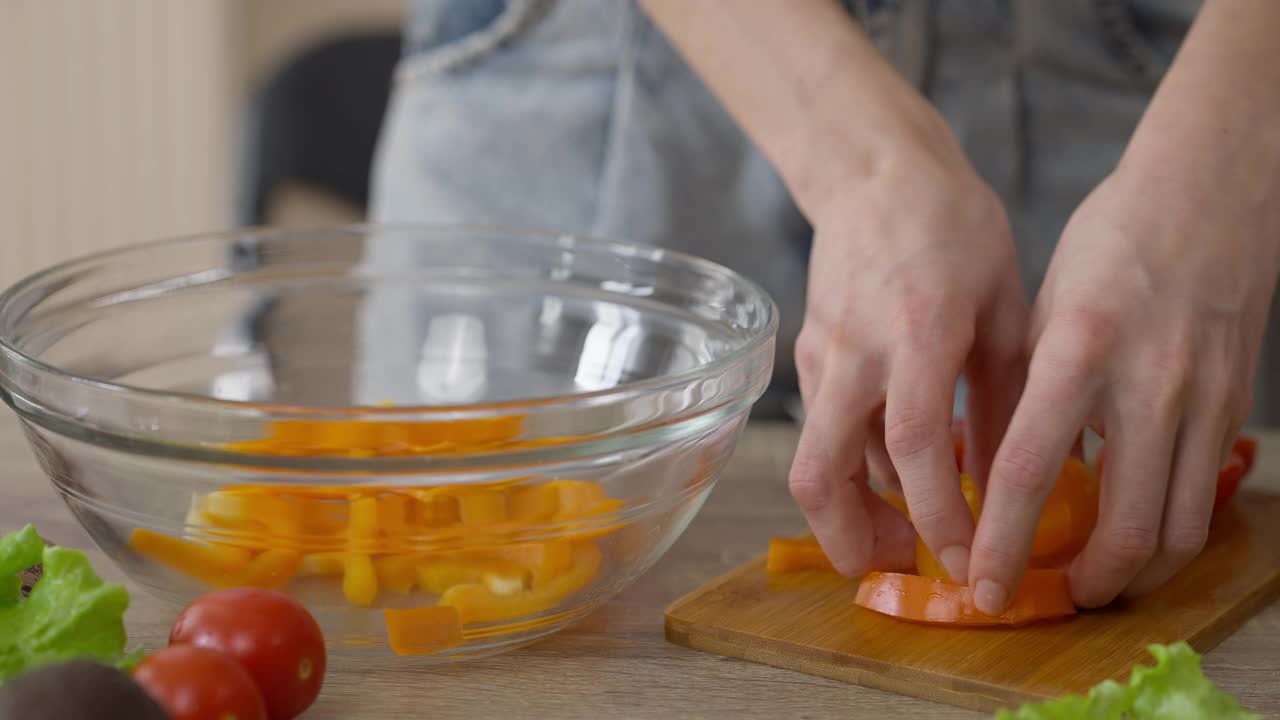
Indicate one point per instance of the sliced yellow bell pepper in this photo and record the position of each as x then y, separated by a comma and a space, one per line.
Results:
360, 580
363, 523
438, 575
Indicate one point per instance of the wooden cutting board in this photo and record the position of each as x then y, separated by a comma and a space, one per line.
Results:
808, 622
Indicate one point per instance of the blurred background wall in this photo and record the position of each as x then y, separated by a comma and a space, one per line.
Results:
123, 120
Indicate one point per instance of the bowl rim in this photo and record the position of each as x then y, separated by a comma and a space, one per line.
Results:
259, 411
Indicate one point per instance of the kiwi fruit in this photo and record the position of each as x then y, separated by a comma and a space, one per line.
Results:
76, 690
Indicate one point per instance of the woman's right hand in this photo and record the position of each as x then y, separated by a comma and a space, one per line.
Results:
913, 277
913, 282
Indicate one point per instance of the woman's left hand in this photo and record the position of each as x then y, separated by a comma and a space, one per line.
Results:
1148, 327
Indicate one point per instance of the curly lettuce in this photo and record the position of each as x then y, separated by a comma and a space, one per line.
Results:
71, 613
1173, 689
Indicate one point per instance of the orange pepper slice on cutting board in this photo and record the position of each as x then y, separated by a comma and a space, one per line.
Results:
1043, 595
794, 554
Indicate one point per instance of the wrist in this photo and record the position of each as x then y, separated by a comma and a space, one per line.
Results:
1195, 173
831, 158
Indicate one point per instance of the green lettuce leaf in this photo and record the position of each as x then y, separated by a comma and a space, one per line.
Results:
1173, 689
71, 612
18, 551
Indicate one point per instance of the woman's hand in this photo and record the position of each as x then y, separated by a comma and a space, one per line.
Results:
913, 272
1149, 323
1148, 328
913, 281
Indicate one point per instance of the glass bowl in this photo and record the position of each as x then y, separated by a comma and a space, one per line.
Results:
445, 441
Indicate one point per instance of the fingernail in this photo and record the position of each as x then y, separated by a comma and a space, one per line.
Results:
956, 560
990, 597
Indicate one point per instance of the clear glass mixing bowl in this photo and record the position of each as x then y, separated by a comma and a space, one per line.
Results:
446, 441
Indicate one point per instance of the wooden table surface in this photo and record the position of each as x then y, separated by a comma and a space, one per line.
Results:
616, 662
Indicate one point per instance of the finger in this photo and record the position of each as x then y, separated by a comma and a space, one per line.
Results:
996, 373
1059, 393
1189, 507
809, 366
1134, 488
918, 413
894, 546
879, 464
829, 465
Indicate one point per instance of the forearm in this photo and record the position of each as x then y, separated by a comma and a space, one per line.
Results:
1215, 120
808, 86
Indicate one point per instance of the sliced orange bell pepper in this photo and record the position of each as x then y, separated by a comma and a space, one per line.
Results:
424, 630
1044, 594
393, 515
928, 565
397, 573
373, 536
587, 501
477, 603
794, 554
270, 569
248, 510
370, 437
434, 509
1069, 515
218, 565
324, 563
482, 507
544, 560
577, 499
534, 504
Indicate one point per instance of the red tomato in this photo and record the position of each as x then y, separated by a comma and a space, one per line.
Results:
272, 635
195, 683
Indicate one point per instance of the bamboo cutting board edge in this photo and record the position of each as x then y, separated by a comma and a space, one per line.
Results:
686, 625
800, 658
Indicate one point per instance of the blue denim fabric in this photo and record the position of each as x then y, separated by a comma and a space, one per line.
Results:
578, 116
